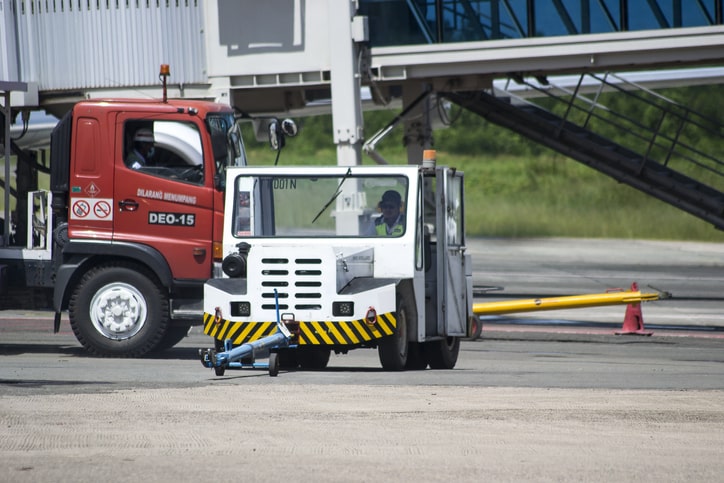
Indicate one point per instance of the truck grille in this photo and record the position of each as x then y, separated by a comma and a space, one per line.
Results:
298, 282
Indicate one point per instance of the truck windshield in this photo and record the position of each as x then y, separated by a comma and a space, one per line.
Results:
342, 205
226, 141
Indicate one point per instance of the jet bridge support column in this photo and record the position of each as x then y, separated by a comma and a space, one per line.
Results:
346, 31
418, 125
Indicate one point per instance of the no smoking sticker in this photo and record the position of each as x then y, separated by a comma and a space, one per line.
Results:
91, 209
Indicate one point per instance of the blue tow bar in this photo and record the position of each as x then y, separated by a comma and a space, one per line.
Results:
231, 356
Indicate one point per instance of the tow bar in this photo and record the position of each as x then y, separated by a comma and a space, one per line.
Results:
613, 297
231, 357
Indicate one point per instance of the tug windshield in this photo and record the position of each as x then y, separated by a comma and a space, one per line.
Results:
341, 205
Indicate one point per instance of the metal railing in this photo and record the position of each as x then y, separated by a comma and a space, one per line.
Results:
664, 131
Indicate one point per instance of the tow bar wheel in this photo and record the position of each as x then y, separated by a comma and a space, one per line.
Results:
273, 364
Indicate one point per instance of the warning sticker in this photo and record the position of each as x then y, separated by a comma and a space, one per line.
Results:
91, 209
92, 190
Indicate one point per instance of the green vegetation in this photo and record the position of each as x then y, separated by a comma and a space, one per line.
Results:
516, 188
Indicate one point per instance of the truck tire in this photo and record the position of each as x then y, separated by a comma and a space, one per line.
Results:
118, 310
443, 354
393, 350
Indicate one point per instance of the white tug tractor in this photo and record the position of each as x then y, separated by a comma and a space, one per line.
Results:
310, 249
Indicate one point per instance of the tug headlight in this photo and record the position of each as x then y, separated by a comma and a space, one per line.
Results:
342, 309
234, 265
240, 309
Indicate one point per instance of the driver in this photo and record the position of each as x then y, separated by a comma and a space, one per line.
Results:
143, 151
392, 221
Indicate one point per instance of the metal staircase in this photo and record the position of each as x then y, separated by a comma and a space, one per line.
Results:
655, 152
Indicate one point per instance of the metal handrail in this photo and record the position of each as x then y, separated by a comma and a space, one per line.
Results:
656, 138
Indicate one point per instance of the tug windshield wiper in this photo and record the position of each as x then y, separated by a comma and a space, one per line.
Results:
335, 195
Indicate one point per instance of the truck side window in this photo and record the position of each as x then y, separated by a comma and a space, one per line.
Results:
168, 149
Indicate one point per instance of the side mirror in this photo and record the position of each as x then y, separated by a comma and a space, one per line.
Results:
279, 130
289, 128
220, 180
276, 136
234, 142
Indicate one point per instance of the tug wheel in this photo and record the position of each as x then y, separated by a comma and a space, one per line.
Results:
443, 354
393, 350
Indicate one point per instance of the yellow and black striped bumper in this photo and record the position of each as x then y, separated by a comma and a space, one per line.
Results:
347, 333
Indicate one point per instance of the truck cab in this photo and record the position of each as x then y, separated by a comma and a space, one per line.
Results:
125, 247
314, 247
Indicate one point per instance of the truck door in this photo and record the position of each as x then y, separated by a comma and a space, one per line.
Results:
163, 191
451, 282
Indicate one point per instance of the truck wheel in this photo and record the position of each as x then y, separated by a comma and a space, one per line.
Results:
443, 354
118, 310
393, 349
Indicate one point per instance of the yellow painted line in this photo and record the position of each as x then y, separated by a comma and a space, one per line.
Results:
387, 326
337, 334
322, 332
308, 334
225, 327
352, 336
248, 327
362, 329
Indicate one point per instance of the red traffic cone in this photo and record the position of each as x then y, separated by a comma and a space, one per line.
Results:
633, 321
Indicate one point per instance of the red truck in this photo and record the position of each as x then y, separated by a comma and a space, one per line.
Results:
126, 243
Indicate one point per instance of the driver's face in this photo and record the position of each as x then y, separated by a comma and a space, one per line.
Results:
390, 211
